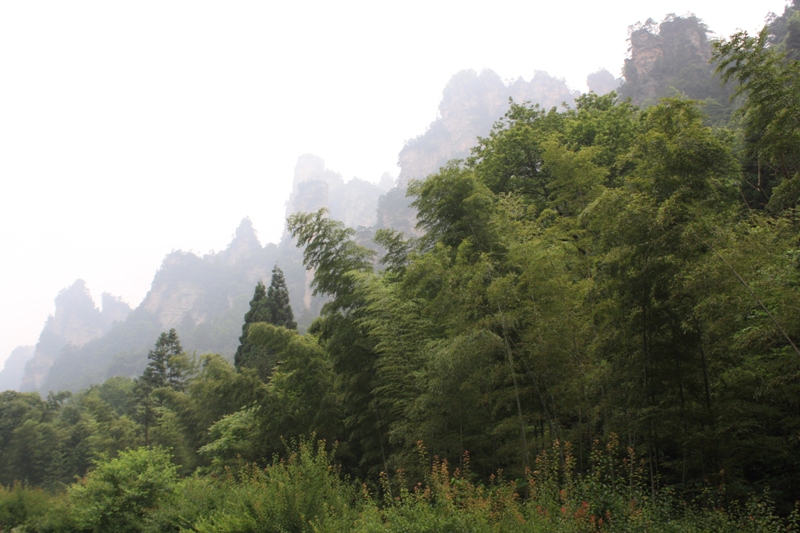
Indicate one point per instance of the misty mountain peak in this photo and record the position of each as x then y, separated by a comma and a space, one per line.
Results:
14, 368
387, 182
245, 243
310, 167
75, 322
75, 298
471, 103
245, 231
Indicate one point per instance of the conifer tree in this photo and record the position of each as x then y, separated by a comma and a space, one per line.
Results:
271, 306
166, 369
277, 303
256, 313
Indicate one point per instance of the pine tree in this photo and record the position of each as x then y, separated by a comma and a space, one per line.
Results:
166, 369
256, 313
271, 306
277, 303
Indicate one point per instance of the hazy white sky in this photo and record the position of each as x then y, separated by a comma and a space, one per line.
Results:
129, 129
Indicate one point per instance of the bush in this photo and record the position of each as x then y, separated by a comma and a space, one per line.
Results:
121, 494
303, 493
19, 504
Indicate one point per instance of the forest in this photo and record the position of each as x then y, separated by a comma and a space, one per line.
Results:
596, 331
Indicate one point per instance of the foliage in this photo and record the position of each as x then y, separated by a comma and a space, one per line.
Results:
120, 494
270, 306
165, 372
770, 85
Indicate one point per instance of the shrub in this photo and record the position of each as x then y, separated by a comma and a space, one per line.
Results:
121, 494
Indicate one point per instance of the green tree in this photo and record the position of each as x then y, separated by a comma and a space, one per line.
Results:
257, 313
121, 494
270, 305
770, 85
279, 311
339, 265
166, 370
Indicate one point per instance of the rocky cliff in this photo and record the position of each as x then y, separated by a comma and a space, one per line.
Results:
471, 103
75, 322
353, 202
203, 298
670, 58
602, 82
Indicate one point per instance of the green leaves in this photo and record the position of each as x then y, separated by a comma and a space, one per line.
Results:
330, 251
270, 306
120, 494
770, 85
452, 206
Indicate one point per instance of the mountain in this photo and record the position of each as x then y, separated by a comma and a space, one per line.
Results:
14, 368
203, 298
602, 82
76, 322
471, 103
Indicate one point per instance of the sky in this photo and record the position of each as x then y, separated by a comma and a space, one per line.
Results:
131, 129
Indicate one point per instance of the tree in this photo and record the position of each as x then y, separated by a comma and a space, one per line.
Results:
270, 306
277, 304
166, 367
256, 313
299, 401
166, 370
120, 495
339, 265
770, 85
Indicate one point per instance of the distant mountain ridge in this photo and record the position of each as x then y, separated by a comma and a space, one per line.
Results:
204, 298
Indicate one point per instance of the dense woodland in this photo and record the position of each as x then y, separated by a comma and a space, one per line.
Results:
597, 331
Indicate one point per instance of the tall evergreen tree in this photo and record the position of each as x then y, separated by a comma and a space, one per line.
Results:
256, 313
277, 303
166, 369
271, 306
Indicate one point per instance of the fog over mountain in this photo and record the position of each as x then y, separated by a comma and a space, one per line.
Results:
591, 296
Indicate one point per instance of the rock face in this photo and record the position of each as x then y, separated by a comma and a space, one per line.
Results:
668, 57
353, 202
76, 321
11, 375
471, 103
187, 288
